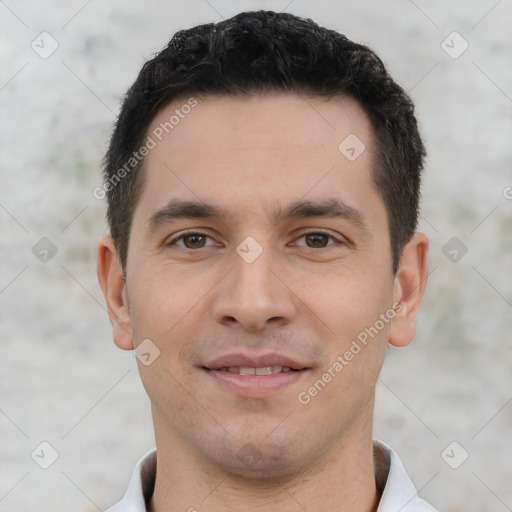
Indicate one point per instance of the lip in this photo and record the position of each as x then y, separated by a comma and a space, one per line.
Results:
254, 386
254, 361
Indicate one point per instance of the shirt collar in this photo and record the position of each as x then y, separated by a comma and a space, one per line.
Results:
399, 493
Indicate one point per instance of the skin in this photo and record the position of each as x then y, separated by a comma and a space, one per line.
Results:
305, 297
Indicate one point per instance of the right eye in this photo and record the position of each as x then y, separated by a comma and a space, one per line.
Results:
191, 240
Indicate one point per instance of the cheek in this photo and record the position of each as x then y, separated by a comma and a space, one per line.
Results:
347, 301
164, 309
161, 300
349, 305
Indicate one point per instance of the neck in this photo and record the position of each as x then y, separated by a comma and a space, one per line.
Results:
342, 479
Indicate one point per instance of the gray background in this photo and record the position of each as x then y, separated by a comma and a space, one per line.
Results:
62, 379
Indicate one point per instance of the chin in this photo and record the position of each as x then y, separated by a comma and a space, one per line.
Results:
259, 458
266, 469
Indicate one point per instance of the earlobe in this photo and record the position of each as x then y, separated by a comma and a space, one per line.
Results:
113, 285
410, 282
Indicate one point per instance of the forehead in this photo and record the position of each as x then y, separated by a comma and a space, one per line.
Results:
268, 118
258, 151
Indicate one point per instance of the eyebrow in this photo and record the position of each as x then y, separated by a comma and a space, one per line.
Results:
334, 208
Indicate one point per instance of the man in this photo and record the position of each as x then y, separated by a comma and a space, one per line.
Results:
263, 185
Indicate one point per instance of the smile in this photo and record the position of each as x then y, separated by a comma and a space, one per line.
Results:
264, 370
260, 382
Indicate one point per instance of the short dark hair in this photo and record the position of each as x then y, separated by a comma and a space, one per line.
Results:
262, 52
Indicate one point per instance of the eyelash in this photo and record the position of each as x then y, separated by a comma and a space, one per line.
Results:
174, 241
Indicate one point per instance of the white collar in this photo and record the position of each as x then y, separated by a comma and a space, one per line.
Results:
399, 493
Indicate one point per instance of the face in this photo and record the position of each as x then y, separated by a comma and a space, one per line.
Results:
259, 266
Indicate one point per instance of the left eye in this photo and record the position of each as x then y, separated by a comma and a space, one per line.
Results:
316, 240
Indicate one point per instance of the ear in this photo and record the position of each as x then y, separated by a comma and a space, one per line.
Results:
113, 284
410, 282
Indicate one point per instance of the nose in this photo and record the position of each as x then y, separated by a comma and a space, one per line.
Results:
254, 296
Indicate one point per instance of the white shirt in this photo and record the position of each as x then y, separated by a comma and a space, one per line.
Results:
399, 493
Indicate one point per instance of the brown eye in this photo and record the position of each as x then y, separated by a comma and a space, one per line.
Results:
191, 240
194, 241
317, 240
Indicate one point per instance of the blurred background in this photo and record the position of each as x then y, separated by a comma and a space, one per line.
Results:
74, 418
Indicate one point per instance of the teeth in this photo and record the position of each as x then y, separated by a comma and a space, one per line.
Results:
264, 370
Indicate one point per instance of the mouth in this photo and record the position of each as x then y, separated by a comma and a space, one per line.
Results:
255, 377
262, 370
262, 364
